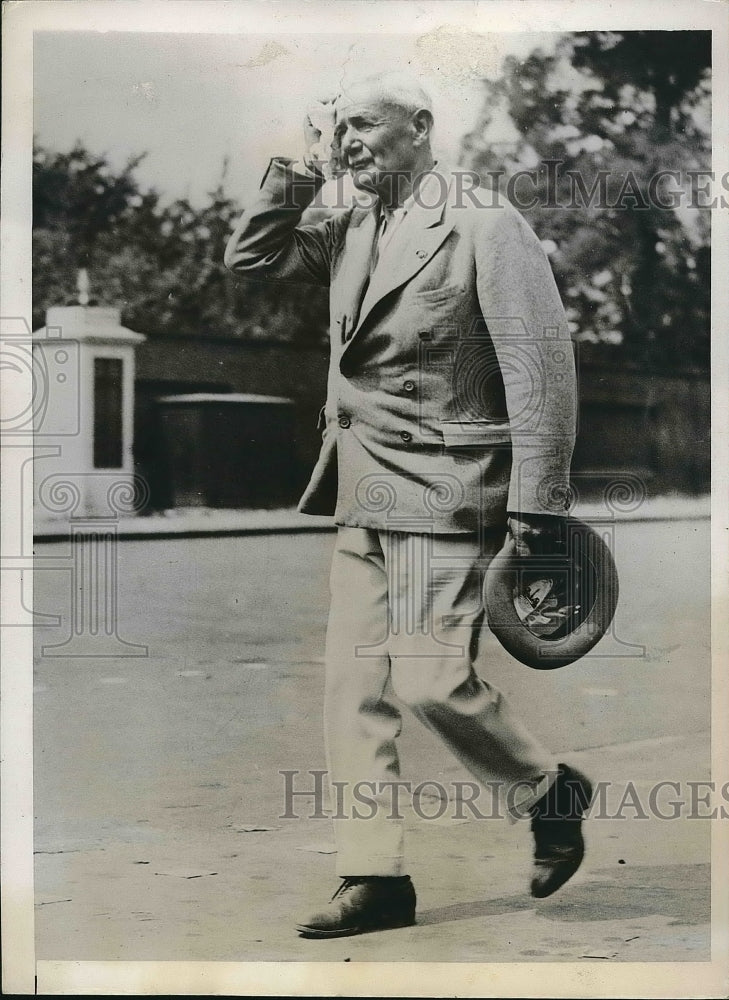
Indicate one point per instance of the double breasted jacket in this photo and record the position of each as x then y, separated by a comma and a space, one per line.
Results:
451, 394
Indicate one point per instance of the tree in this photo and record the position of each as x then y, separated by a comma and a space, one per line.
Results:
597, 120
161, 265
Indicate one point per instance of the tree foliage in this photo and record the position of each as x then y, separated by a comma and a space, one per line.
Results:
602, 108
596, 120
161, 264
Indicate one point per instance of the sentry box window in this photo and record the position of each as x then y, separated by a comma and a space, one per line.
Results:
108, 444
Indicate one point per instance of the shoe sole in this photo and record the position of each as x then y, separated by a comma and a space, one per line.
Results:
313, 932
565, 875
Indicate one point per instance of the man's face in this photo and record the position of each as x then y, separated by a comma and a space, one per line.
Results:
375, 138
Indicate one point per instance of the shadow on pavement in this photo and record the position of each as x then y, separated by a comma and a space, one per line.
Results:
682, 892
477, 908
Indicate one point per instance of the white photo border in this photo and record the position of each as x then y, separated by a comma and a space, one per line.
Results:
20, 969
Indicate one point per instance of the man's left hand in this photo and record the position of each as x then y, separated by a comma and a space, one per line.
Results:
537, 534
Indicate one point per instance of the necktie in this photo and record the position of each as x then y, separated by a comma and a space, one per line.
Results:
382, 226
377, 242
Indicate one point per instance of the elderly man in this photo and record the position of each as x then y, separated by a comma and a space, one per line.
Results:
450, 412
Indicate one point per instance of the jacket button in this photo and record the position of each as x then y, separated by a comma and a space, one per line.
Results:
409, 385
344, 422
406, 436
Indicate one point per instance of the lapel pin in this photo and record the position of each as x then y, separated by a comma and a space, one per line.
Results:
421, 253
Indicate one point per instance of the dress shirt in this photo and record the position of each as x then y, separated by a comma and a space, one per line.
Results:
391, 219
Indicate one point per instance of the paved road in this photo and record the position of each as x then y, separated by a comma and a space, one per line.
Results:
158, 792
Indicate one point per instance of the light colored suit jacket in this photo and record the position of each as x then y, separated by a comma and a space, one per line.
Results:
451, 392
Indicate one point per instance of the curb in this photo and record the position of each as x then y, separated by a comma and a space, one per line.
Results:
237, 523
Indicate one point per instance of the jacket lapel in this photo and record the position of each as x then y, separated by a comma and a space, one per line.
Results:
355, 269
413, 244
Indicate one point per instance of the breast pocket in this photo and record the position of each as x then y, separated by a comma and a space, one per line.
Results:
444, 293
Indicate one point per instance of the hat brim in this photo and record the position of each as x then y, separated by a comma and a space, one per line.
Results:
588, 555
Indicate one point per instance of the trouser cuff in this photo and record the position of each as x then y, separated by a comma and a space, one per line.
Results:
521, 795
358, 864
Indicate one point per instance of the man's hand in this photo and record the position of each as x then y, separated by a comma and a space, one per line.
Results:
319, 142
537, 534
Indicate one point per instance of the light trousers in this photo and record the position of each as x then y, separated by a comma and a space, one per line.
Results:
405, 627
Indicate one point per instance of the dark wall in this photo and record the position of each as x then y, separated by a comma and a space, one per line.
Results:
170, 365
651, 424
266, 368
654, 424
229, 450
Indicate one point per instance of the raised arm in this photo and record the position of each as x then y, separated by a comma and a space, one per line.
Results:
268, 242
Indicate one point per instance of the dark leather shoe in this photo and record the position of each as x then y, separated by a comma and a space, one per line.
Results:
557, 827
363, 904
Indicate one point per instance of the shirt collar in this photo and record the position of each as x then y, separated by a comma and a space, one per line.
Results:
402, 210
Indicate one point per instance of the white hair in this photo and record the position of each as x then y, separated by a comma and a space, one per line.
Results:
396, 87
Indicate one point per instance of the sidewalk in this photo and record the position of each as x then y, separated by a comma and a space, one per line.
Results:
159, 795
196, 522
217, 880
